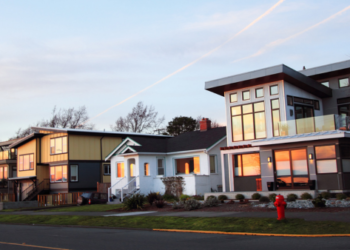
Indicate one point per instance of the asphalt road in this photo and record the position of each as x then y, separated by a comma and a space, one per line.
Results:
12, 237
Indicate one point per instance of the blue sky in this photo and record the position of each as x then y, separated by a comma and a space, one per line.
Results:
98, 53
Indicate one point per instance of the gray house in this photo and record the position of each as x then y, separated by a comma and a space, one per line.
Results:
287, 129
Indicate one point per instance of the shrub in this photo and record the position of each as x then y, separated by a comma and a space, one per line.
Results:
211, 196
184, 197
319, 202
191, 204
341, 196
256, 196
306, 196
198, 197
326, 195
211, 202
272, 197
264, 199
159, 203
151, 197
134, 202
239, 196
170, 197
178, 205
292, 197
222, 198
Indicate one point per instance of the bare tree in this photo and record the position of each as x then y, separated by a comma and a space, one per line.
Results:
65, 118
141, 119
214, 124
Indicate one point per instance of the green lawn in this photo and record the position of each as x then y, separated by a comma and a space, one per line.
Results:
84, 208
253, 225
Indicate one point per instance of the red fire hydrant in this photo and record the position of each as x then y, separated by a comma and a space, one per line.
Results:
280, 204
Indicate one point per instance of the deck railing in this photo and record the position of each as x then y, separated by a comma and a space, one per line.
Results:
58, 199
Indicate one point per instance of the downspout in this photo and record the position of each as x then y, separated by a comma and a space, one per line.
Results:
101, 179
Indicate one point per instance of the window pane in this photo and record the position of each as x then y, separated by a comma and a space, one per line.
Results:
275, 104
246, 95
52, 174
1, 173
325, 152
5, 173
120, 170
146, 169
326, 166
299, 162
344, 82
212, 164
52, 146
236, 110
160, 167
21, 162
74, 172
31, 161
233, 97
58, 173
188, 165
196, 165
251, 164
290, 100
260, 129
274, 90
259, 93
259, 106
58, 145
64, 175
64, 149
238, 165
237, 128
248, 127
247, 108
282, 163
325, 84
26, 162
346, 165
276, 120
131, 170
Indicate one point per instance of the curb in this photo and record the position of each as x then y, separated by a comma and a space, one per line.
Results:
253, 234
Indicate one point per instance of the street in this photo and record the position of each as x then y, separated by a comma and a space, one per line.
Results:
45, 237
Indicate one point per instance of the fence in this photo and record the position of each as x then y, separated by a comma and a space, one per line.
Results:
7, 197
58, 199
103, 187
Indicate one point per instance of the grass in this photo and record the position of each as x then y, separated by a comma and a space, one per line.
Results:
253, 225
85, 208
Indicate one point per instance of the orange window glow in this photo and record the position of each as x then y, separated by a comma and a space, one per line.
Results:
120, 170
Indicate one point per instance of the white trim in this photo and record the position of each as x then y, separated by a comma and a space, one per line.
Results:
127, 139
188, 151
215, 144
241, 150
126, 148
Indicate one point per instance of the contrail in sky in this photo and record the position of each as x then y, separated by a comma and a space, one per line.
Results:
280, 41
191, 63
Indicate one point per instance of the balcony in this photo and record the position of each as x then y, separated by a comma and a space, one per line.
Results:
8, 155
313, 124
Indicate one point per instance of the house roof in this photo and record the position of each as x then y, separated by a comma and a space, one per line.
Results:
327, 71
266, 75
9, 142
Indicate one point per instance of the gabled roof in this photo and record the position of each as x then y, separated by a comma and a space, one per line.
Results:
9, 142
266, 75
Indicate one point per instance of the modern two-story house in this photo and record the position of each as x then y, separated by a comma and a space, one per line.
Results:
287, 129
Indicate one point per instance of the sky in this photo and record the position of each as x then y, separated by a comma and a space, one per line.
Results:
100, 53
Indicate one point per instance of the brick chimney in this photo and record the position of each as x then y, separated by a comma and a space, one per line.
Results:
205, 124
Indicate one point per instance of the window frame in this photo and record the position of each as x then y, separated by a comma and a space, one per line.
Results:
187, 157
236, 97
54, 139
148, 169
116, 168
234, 166
279, 114
163, 166
343, 79
70, 173
62, 166
289, 97
215, 166
278, 91
3, 172
326, 159
256, 96
19, 162
243, 95
104, 172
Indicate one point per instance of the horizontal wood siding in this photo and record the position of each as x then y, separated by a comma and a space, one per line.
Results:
45, 149
82, 147
108, 144
28, 148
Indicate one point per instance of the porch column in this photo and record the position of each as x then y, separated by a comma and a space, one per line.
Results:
230, 172
223, 171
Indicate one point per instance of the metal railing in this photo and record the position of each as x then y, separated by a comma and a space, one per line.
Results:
58, 199
313, 124
129, 188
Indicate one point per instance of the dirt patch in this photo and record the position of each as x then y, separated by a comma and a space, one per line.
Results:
233, 207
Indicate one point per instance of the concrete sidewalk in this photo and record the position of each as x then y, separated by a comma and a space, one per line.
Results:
308, 216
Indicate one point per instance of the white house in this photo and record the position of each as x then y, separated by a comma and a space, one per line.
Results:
139, 163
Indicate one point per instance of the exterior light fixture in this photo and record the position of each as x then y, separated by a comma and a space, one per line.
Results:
269, 159
311, 156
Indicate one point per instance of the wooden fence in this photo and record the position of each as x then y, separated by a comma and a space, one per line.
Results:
7, 197
58, 199
103, 187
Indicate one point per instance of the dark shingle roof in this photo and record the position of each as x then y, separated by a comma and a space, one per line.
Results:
183, 142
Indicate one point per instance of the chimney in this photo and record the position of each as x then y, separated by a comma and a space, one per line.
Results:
205, 124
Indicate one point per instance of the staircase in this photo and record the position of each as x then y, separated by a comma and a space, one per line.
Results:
125, 190
31, 192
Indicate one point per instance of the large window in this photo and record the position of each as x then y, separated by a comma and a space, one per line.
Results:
26, 162
248, 121
58, 174
160, 167
247, 164
212, 160
187, 166
326, 159
106, 169
146, 169
3, 173
73, 173
275, 110
58, 145
120, 170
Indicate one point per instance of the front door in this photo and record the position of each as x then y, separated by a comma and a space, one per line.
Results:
304, 119
291, 169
